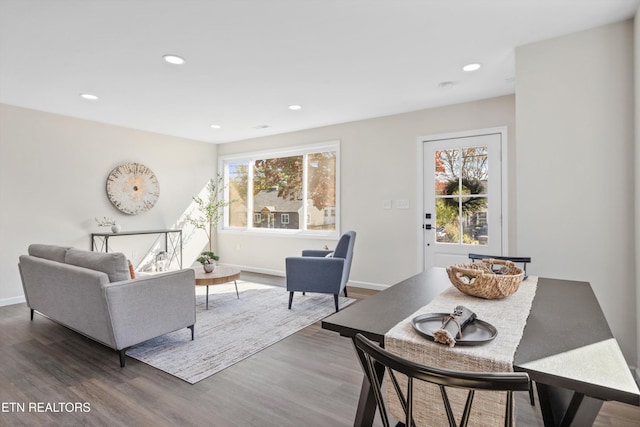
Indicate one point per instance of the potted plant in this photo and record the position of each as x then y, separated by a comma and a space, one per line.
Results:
210, 211
207, 259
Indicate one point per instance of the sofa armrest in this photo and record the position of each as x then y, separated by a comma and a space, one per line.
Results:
314, 274
70, 295
151, 306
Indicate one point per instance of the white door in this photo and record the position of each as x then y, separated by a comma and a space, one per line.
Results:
462, 198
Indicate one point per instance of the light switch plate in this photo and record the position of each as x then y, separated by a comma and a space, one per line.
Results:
386, 204
402, 204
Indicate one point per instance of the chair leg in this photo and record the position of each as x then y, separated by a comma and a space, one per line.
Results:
192, 331
32, 313
335, 300
122, 356
345, 292
531, 398
290, 299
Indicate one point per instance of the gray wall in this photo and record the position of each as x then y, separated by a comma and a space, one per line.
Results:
575, 166
53, 171
636, 46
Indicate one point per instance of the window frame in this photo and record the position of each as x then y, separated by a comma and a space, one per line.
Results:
251, 157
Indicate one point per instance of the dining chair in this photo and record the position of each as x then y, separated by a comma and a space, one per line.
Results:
443, 378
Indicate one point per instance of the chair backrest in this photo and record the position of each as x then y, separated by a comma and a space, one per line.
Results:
344, 249
516, 259
495, 381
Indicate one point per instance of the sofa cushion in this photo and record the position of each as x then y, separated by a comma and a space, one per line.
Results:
50, 252
114, 264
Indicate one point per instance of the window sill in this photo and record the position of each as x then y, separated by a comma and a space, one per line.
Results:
270, 232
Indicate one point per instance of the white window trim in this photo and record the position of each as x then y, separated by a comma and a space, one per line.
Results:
223, 161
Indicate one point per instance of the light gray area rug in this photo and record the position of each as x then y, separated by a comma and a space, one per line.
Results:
233, 329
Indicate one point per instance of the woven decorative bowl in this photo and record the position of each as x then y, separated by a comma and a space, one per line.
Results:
489, 279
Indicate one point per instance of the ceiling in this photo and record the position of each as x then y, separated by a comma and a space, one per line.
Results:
248, 60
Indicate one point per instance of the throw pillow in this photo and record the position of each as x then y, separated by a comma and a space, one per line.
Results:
132, 271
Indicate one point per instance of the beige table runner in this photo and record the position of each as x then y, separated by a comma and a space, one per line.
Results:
508, 315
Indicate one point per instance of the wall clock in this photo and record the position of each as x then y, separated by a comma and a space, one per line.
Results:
133, 188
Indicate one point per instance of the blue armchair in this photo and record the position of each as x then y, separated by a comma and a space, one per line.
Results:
321, 270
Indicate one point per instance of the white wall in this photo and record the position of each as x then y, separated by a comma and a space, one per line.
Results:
575, 166
53, 171
378, 162
636, 46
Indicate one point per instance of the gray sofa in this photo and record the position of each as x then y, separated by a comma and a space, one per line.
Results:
93, 294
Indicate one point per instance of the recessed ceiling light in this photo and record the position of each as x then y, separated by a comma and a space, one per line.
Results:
215, 126
173, 59
89, 96
471, 67
295, 107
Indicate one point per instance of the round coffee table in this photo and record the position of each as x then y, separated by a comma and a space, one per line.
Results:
219, 276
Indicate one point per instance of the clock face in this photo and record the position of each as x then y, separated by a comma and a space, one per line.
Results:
133, 188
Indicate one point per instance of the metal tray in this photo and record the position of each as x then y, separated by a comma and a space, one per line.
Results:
476, 333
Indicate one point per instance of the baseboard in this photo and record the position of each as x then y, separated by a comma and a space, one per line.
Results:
367, 285
257, 270
12, 301
354, 283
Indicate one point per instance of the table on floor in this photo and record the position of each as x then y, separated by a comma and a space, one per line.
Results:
566, 335
219, 276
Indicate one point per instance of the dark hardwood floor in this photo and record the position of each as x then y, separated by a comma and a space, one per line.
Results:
311, 378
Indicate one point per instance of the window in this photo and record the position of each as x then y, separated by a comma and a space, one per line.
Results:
287, 190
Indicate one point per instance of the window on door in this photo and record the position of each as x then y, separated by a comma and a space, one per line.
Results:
461, 192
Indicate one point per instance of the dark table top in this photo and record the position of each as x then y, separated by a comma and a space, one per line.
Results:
566, 342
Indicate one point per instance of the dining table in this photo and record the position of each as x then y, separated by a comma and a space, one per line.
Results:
567, 347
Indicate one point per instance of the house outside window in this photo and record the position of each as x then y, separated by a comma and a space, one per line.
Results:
291, 190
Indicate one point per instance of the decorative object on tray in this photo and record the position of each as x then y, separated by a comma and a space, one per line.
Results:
490, 278
207, 260
477, 332
453, 325
162, 261
109, 222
